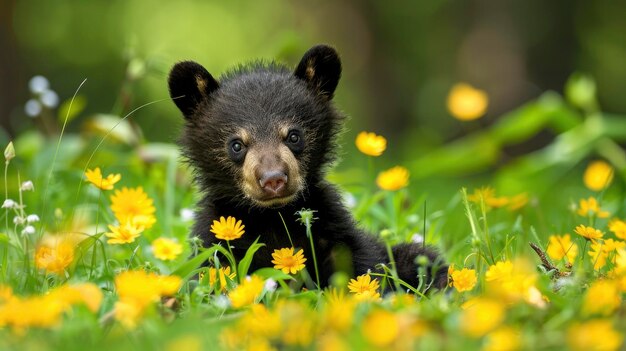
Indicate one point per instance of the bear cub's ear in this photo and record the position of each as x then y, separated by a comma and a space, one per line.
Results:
190, 84
320, 67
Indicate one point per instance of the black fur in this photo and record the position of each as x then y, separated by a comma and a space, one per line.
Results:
258, 97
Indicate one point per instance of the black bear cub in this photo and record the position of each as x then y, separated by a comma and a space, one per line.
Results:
260, 141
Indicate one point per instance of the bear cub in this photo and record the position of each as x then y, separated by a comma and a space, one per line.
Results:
260, 140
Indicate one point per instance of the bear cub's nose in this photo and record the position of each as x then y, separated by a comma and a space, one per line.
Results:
273, 182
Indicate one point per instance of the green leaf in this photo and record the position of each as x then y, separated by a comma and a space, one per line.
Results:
186, 268
244, 264
273, 273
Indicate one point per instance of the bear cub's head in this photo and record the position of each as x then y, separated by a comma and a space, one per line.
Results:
261, 133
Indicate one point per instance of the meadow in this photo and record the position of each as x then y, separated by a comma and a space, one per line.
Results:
95, 252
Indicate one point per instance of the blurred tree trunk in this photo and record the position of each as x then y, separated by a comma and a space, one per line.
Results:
8, 65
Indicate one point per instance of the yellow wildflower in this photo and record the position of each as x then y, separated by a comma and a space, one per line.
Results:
95, 177
285, 260
227, 228
247, 292
143, 288
598, 255
187, 342
128, 312
518, 201
613, 245
590, 207
55, 258
499, 272
481, 315
603, 297
594, 335
588, 233
393, 179
380, 328
462, 280
133, 205
364, 287
618, 227
338, 310
123, 234
220, 275
598, 175
166, 249
562, 246
300, 333
261, 321
503, 339
371, 144
466, 103
488, 195
85, 293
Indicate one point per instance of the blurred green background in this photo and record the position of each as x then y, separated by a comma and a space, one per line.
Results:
400, 60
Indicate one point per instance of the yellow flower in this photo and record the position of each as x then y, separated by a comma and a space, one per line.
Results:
85, 293
613, 245
488, 195
56, 257
590, 207
393, 179
123, 234
598, 255
594, 335
503, 339
618, 227
133, 205
518, 201
364, 287
144, 288
598, 175
481, 315
261, 321
166, 249
188, 342
285, 260
562, 246
128, 312
371, 144
462, 280
466, 103
95, 177
247, 292
338, 310
227, 228
380, 328
588, 233
603, 297
220, 275
500, 272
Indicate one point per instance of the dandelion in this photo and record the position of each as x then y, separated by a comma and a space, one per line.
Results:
603, 297
227, 228
618, 227
480, 316
380, 328
594, 335
364, 287
247, 292
55, 258
590, 207
95, 177
166, 249
133, 205
588, 233
393, 179
466, 103
598, 175
123, 234
562, 246
462, 280
371, 144
287, 261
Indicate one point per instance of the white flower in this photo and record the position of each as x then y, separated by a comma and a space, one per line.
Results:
349, 200
32, 108
49, 99
270, 285
18, 220
32, 218
417, 238
222, 302
8, 203
28, 230
186, 214
38, 84
27, 185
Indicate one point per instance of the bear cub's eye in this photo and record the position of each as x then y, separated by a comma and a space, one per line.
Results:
294, 141
236, 150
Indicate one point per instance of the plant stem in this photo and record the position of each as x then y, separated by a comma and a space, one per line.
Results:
307, 224
392, 263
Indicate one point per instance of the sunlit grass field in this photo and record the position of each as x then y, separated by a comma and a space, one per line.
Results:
95, 252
